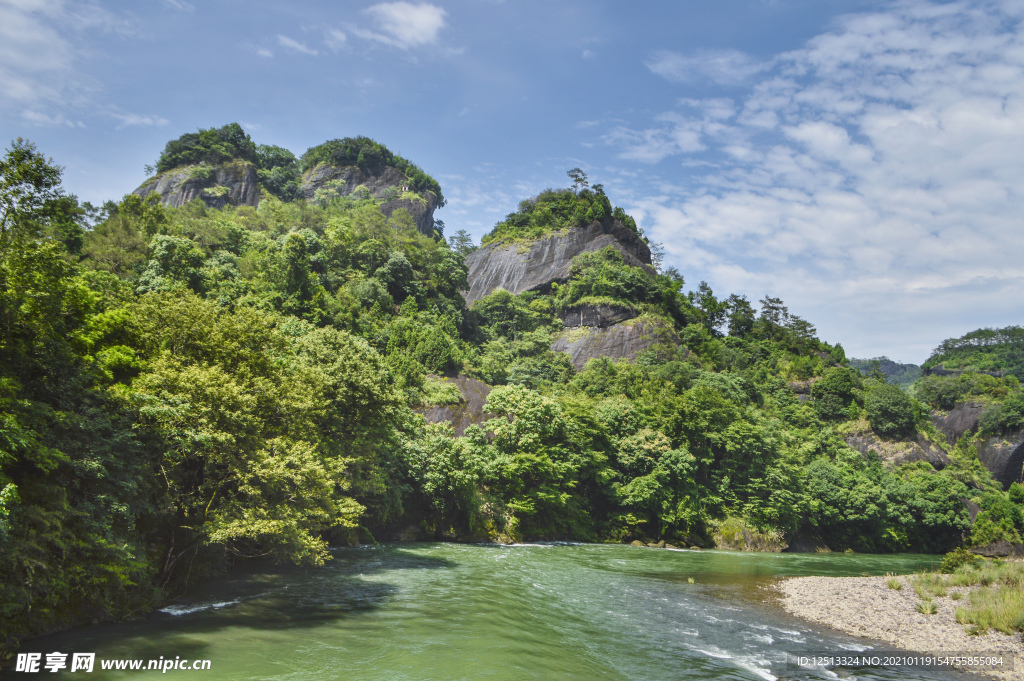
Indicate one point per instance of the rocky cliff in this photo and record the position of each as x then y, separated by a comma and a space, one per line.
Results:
1001, 454
619, 341
234, 184
518, 267
898, 453
390, 185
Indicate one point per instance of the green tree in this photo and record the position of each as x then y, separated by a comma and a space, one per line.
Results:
891, 411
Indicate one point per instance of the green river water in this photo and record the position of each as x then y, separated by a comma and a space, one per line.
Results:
417, 612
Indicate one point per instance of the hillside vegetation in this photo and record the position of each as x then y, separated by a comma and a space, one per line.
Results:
991, 350
186, 388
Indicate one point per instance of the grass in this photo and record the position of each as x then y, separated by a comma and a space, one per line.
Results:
997, 602
1000, 608
893, 582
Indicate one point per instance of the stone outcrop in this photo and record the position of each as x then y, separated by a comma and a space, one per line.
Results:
962, 419
595, 315
898, 452
621, 341
518, 267
234, 184
1004, 456
345, 181
1001, 454
468, 412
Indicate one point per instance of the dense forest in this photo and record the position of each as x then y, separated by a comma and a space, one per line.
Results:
184, 388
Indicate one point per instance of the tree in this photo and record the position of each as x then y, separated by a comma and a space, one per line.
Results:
32, 202
740, 314
579, 179
713, 310
461, 242
891, 411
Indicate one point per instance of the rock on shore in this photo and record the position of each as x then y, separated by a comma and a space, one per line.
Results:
866, 606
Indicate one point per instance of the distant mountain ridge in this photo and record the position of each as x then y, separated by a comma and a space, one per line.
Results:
895, 372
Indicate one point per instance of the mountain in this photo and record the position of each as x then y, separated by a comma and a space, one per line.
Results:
895, 372
190, 383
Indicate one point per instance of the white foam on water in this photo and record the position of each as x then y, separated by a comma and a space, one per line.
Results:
755, 669
766, 639
854, 647
178, 610
785, 631
539, 546
751, 665
715, 652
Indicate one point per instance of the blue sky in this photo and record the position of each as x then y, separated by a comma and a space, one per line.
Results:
861, 160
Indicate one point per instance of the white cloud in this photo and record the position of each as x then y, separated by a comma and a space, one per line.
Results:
263, 52
403, 24
181, 6
295, 45
335, 39
871, 178
132, 119
41, 48
49, 120
721, 66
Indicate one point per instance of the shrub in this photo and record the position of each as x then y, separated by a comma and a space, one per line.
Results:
956, 559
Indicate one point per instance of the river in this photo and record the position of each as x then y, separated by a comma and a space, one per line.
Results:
447, 612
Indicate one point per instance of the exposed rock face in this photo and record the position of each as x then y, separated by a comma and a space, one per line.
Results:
621, 341
468, 412
1001, 549
962, 419
899, 453
346, 180
517, 268
803, 387
595, 315
1004, 456
234, 184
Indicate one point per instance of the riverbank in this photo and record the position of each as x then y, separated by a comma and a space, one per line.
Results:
866, 606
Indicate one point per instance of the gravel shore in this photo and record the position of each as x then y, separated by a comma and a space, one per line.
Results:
866, 606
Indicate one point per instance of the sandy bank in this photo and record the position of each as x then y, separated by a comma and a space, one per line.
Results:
866, 606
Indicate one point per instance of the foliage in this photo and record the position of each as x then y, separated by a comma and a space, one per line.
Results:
371, 157
896, 373
891, 411
210, 146
604, 276
956, 559
996, 350
556, 209
201, 386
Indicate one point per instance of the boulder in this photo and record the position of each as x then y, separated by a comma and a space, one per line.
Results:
637, 542
468, 412
234, 183
620, 341
345, 181
518, 267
